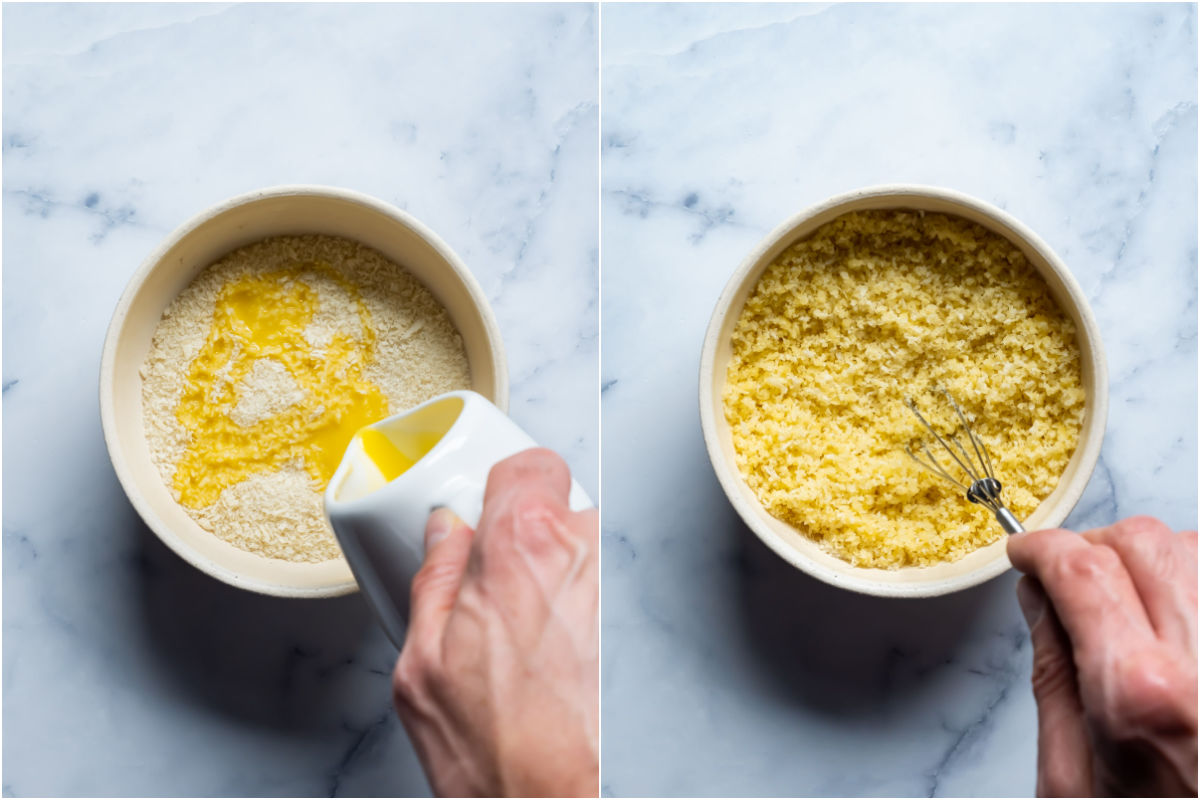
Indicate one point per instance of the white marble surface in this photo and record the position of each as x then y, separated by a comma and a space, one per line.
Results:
725, 671
126, 671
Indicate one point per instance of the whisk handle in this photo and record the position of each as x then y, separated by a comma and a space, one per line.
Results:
1007, 521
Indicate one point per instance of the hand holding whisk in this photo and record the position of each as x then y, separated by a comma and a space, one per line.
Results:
981, 486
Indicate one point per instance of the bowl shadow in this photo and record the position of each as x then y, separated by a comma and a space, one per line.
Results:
842, 653
285, 663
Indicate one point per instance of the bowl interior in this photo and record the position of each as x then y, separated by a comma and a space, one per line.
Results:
803, 552
167, 272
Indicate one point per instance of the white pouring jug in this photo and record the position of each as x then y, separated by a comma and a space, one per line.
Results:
397, 471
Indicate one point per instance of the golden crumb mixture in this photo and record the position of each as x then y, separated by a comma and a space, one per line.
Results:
872, 308
263, 369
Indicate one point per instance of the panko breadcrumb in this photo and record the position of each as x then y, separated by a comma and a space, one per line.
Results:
872, 308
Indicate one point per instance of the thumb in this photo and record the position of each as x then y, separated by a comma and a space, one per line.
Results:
1064, 754
435, 586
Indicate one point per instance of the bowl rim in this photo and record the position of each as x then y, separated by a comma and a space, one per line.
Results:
1091, 434
154, 259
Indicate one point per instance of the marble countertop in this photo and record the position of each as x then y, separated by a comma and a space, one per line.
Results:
725, 671
126, 671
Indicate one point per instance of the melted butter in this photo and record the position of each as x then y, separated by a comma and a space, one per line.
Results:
386, 457
264, 316
395, 454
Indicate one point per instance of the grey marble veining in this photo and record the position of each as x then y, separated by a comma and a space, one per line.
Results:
126, 671
725, 671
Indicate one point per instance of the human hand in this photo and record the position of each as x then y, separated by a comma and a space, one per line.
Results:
1114, 657
498, 681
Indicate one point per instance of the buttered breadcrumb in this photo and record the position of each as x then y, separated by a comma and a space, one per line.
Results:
871, 308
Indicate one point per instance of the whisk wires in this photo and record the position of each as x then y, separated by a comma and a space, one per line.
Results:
982, 486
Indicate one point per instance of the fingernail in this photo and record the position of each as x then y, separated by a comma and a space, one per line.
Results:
440, 523
1032, 601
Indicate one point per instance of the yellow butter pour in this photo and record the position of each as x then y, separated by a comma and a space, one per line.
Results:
264, 316
386, 457
395, 454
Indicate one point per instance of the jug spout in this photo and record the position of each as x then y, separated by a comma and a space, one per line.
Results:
382, 452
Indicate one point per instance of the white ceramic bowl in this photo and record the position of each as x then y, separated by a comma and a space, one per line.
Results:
804, 553
172, 266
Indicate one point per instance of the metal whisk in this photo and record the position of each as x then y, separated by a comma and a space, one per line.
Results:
983, 487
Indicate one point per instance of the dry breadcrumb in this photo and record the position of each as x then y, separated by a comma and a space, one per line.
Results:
873, 307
